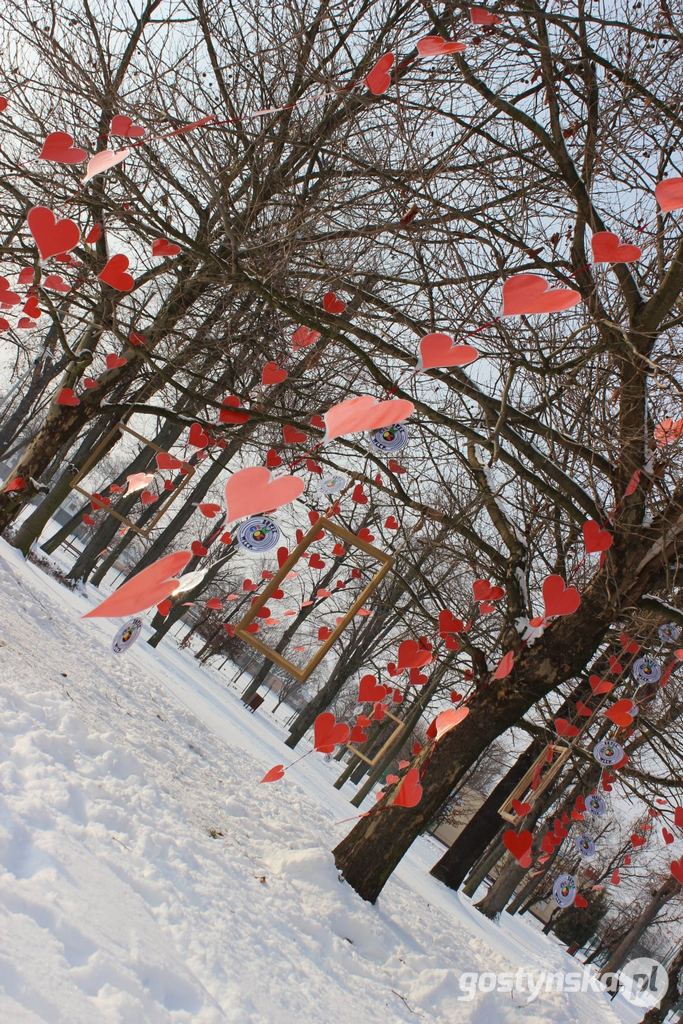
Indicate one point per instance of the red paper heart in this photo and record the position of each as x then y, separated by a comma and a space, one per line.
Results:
113, 362
122, 125
480, 16
559, 599
621, 713
114, 273
316, 562
409, 792
58, 148
667, 836
379, 79
198, 549
565, 728
249, 586
599, 685
580, 901
441, 350
595, 538
328, 732
520, 809
583, 709
448, 623
292, 435
678, 817
363, 534
274, 774
166, 461
446, 721
412, 655
615, 879
254, 490
148, 497
52, 236
197, 437
669, 194
637, 840
359, 495
162, 247
273, 460
519, 845
56, 283
434, 46
67, 397
370, 690
164, 607
391, 523
505, 666
229, 414
273, 374
148, 587
332, 304
303, 337
357, 735
526, 294
365, 413
324, 633
483, 590
608, 248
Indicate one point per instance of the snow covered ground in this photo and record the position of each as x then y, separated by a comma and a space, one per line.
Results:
146, 876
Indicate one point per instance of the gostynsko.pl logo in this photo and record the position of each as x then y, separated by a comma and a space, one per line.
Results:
643, 982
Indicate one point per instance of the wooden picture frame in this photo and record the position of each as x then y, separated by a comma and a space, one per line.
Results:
92, 460
400, 726
341, 533
505, 810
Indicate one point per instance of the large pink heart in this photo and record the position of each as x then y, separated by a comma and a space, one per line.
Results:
254, 490
365, 413
441, 350
446, 721
525, 294
103, 161
669, 194
146, 588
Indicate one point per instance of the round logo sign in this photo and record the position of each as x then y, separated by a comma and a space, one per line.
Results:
669, 632
258, 535
564, 890
608, 752
389, 440
595, 805
126, 636
332, 483
644, 981
646, 669
584, 845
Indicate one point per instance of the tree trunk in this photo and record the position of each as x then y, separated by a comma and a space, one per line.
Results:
659, 899
482, 827
372, 849
494, 852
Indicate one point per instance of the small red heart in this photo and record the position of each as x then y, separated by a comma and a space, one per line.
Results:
363, 534
627, 860
391, 523
303, 337
274, 774
599, 685
162, 247
114, 273
17, 484
379, 712
209, 509
439, 350
379, 79
273, 374
615, 666
583, 709
629, 646
396, 467
122, 125
53, 237
229, 414
616, 878
480, 16
137, 340
369, 689
249, 586
608, 248
273, 460
357, 735
214, 603
26, 324
198, 549
313, 517
113, 362
520, 809
328, 733
164, 607
637, 840
519, 845
94, 234
558, 598
324, 633
448, 623
148, 497
668, 836
359, 495
565, 728
67, 397
580, 901
409, 792
56, 283
292, 435
166, 461
332, 304
58, 148
621, 713
411, 654
197, 437
678, 817
483, 590
316, 562
677, 870
595, 538
434, 46
338, 550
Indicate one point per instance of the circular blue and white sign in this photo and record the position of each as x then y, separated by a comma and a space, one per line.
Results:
258, 535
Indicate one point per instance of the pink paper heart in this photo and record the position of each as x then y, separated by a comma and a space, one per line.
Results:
526, 294
441, 350
364, 413
146, 588
104, 161
254, 490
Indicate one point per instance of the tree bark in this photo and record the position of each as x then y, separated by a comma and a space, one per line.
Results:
666, 891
